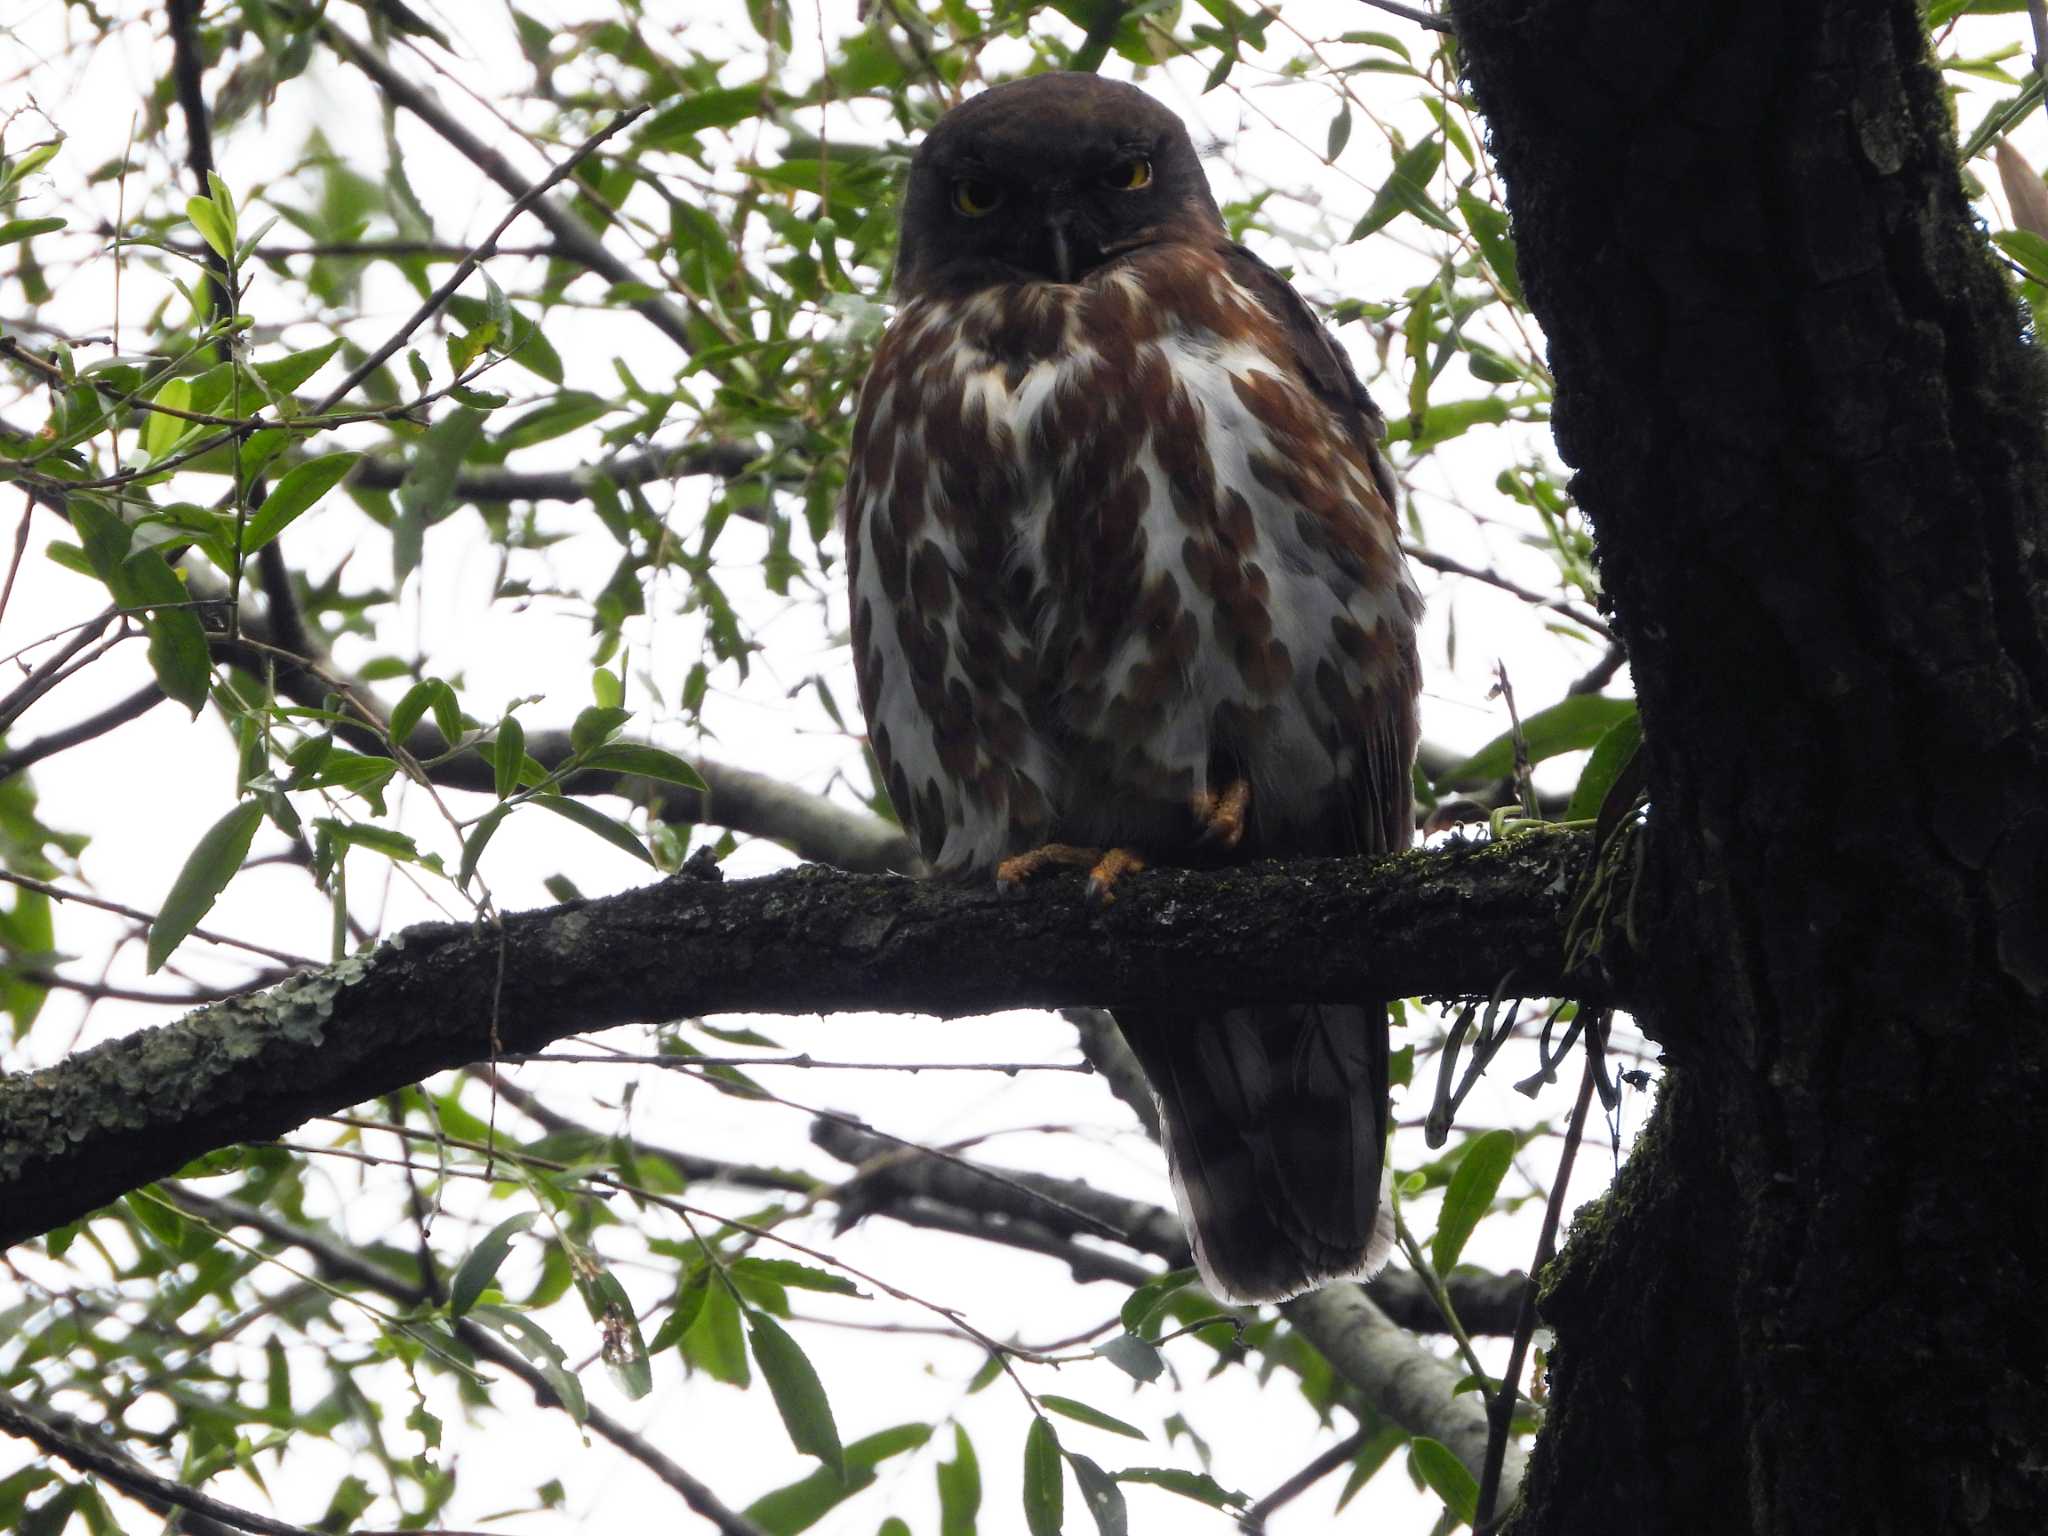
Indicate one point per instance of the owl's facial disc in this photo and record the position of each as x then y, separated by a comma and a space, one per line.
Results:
1048, 179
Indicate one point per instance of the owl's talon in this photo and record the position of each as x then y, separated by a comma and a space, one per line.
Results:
1108, 870
1223, 816
1012, 873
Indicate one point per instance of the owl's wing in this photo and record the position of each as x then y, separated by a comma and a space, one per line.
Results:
1322, 362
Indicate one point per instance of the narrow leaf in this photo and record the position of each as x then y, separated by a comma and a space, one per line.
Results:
1044, 1488
959, 1487
1447, 1477
508, 755
178, 652
1471, 1192
299, 488
648, 762
208, 869
481, 1267
799, 1395
617, 833
1104, 1499
1083, 1414
1610, 755
1571, 726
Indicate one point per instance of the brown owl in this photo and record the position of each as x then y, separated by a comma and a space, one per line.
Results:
1126, 586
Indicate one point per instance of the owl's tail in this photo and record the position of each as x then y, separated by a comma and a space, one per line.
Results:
1275, 1123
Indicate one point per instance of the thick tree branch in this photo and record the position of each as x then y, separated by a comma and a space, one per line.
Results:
439, 996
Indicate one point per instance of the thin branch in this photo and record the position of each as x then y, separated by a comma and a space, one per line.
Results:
528, 199
1421, 18
1255, 1518
722, 460
345, 1266
158, 1493
136, 914
1584, 618
137, 704
1500, 1411
803, 1059
574, 240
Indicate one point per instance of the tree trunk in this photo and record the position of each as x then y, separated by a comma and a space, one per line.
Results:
1809, 432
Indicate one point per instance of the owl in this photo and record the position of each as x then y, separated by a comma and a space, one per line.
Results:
1126, 586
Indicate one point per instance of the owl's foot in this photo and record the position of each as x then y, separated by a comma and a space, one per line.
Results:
1105, 867
1013, 872
1223, 816
1108, 870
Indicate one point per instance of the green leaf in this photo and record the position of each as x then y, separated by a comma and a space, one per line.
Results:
1446, 1475
648, 762
212, 227
714, 1343
676, 127
298, 489
28, 229
508, 755
787, 1272
593, 725
1133, 1356
2026, 248
564, 414
802, 1504
1611, 754
481, 1267
1083, 1414
799, 1395
617, 833
429, 486
178, 652
412, 709
959, 1487
159, 430
1406, 190
1140, 1305
1044, 1486
1489, 226
534, 1342
1571, 726
1199, 1486
1104, 1499
1471, 1192
208, 869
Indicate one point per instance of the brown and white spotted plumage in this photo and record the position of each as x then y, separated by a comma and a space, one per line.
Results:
1125, 575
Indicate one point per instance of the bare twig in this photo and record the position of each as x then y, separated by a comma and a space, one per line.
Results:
1582, 617
159, 1493
137, 704
1421, 18
58, 893
1500, 1411
431, 305
1255, 1518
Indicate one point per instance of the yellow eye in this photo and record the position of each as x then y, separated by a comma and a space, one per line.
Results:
1131, 176
975, 198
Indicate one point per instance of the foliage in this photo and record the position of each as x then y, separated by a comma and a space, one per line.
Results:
272, 415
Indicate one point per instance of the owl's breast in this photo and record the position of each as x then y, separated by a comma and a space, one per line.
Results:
1109, 549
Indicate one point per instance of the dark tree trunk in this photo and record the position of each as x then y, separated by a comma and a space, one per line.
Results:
1809, 431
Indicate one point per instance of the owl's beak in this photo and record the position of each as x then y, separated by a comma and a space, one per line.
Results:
1062, 248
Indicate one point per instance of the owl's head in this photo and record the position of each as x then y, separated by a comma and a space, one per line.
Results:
1047, 179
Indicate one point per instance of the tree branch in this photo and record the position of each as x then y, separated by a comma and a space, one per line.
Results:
574, 240
1452, 921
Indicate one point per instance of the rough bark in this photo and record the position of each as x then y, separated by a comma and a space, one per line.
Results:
1810, 434
1453, 921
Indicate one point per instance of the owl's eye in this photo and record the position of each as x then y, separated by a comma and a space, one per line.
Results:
1130, 176
975, 198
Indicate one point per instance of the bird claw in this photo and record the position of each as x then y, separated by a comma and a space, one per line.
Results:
1105, 868
1108, 870
1222, 817
1013, 873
